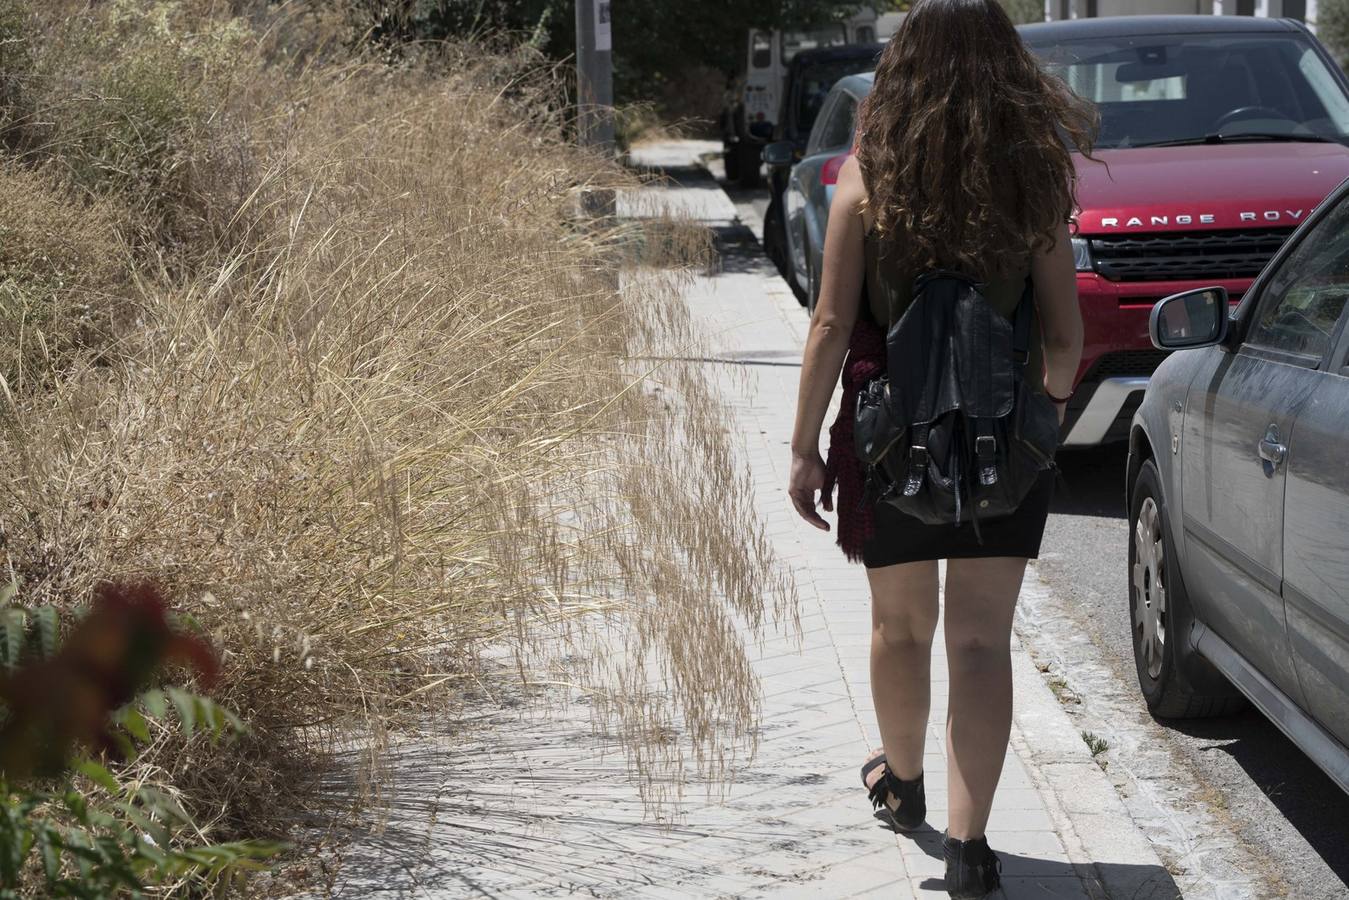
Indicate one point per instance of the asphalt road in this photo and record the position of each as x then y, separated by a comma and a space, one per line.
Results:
1238, 808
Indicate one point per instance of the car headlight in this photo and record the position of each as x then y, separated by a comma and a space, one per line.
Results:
1082, 254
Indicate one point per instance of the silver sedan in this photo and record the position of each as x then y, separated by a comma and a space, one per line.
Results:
810, 189
1238, 496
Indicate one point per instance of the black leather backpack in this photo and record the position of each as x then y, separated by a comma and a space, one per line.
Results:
953, 432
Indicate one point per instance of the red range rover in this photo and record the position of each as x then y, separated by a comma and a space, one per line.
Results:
1219, 135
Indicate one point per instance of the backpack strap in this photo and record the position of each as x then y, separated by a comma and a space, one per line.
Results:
986, 451
918, 461
985, 439
1021, 324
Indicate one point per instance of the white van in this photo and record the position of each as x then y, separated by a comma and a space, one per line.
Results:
752, 107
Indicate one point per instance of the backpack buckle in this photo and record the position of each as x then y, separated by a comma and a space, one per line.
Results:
918, 461
986, 450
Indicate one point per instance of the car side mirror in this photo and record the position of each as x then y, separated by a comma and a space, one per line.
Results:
780, 153
1191, 319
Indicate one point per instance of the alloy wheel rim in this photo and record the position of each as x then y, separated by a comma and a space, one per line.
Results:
1149, 587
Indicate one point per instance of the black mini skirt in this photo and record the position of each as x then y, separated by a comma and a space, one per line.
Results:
898, 538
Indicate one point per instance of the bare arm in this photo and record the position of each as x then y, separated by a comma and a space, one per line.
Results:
1055, 279
841, 281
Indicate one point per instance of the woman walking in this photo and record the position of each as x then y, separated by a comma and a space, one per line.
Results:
961, 165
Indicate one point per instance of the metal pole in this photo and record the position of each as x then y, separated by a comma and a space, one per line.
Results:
595, 74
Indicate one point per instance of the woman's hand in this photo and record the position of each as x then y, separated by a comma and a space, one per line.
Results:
1061, 409
808, 477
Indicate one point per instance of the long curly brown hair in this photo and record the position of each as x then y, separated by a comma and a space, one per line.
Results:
962, 144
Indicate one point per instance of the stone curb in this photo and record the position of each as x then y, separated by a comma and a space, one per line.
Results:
1111, 853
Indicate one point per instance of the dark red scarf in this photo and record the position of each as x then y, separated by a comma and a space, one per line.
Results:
866, 360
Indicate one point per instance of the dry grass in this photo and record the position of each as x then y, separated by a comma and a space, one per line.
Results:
376, 409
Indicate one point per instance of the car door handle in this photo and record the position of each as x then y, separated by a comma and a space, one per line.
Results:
1272, 451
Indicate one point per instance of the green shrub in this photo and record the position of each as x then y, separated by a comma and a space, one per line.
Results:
1332, 27
1024, 11
72, 823
132, 99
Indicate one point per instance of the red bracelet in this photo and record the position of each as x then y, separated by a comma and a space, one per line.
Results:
1058, 399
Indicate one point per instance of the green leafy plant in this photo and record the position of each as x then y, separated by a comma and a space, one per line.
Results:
70, 823
1332, 27
1024, 11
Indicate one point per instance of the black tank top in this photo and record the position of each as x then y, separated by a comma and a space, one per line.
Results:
889, 291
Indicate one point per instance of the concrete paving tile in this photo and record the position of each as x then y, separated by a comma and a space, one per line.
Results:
1041, 888
929, 888
898, 891
845, 813
843, 880
1031, 844
924, 865
1016, 865
1000, 820
1017, 799
779, 688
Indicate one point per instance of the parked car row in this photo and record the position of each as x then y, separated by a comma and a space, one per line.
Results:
1219, 135
775, 87
1220, 139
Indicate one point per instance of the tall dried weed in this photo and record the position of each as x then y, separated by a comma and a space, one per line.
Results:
399, 419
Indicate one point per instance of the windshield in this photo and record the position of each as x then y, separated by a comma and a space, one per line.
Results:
793, 42
1153, 90
815, 82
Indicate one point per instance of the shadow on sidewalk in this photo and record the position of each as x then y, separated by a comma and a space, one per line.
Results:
1034, 878
738, 250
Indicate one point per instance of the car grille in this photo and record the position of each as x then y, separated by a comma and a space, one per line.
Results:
1125, 364
1186, 256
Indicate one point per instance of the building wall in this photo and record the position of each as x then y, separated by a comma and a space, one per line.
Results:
1303, 10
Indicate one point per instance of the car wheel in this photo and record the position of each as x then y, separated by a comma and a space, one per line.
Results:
790, 250
775, 234
812, 283
747, 165
1176, 682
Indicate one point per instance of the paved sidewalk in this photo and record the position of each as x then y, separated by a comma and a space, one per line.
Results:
797, 822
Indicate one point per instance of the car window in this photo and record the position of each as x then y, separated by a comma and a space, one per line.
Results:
1306, 296
837, 130
815, 82
1186, 87
793, 42
761, 50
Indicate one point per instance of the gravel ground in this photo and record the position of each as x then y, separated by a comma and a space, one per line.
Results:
1234, 807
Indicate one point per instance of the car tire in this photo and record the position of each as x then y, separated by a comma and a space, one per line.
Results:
1176, 682
747, 165
789, 267
812, 283
775, 236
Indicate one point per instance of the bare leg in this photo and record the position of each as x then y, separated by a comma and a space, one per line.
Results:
903, 621
980, 601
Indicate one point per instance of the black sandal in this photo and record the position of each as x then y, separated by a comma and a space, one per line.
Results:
973, 870
912, 799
